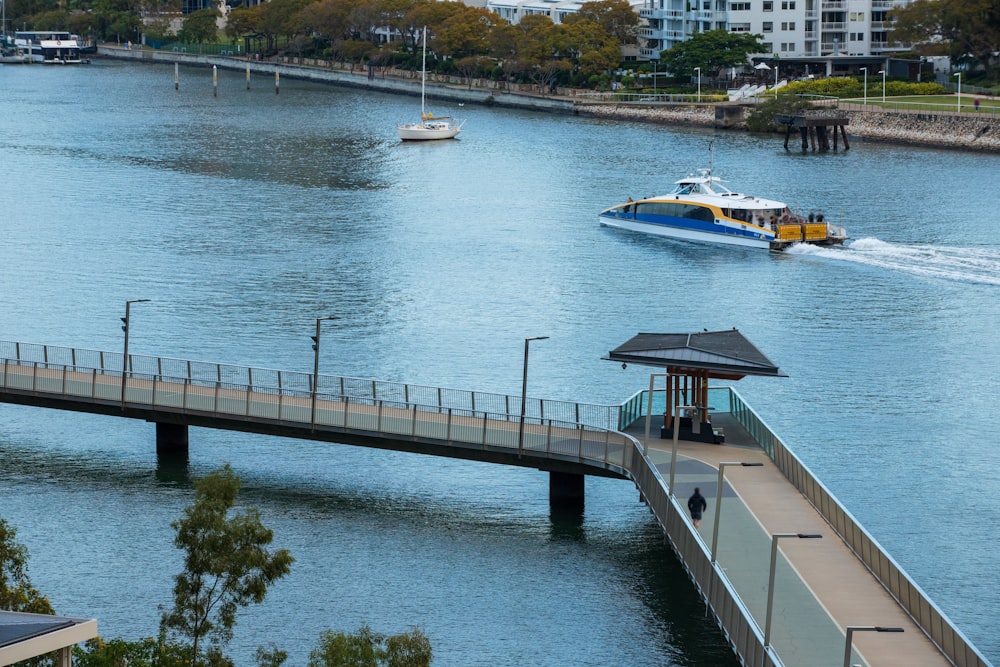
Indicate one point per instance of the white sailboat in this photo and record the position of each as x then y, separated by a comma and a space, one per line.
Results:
429, 128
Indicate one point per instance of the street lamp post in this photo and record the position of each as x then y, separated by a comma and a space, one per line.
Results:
673, 449
524, 395
125, 327
718, 501
865, 84
315, 382
882, 72
853, 628
959, 107
770, 580
698, 69
649, 408
718, 517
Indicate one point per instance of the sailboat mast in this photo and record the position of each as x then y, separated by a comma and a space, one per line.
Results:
423, 76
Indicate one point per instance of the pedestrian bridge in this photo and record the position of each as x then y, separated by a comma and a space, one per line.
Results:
812, 602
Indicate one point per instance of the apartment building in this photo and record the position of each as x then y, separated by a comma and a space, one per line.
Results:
790, 28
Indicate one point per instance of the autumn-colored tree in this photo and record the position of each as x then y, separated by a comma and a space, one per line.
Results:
616, 16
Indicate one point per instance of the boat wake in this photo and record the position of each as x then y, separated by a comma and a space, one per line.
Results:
967, 265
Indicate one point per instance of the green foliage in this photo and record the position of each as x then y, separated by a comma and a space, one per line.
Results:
226, 566
200, 26
16, 591
761, 119
147, 652
854, 87
711, 51
366, 648
271, 656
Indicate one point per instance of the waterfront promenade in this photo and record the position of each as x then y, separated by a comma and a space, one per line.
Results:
941, 129
820, 588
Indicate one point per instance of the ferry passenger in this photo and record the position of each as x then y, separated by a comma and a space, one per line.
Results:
819, 217
812, 216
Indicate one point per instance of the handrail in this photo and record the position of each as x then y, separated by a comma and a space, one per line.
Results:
410, 420
602, 416
935, 624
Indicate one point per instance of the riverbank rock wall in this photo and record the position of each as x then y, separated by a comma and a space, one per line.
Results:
942, 130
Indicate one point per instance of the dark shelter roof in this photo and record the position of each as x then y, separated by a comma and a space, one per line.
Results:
723, 354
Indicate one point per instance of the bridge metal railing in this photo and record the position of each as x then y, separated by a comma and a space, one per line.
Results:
917, 604
601, 416
358, 406
735, 620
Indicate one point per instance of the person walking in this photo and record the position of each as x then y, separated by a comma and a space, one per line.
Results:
697, 505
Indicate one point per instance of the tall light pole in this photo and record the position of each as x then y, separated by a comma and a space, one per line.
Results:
770, 580
871, 628
649, 407
524, 395
698, 69
718, 501
882, 72
865, 84
315, 383
959, 75
125, 327
718, 517
673, 449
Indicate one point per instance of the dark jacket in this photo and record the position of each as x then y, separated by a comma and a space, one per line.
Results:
697, 504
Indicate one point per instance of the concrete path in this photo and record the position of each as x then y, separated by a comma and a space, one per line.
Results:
820, 586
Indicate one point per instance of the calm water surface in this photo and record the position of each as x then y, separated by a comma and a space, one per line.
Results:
243, 217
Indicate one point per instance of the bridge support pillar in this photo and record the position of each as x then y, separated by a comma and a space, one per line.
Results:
171, 441
566, 489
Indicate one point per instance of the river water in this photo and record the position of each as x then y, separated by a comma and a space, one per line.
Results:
244, 216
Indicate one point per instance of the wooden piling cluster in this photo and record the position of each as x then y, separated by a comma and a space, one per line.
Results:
814, 129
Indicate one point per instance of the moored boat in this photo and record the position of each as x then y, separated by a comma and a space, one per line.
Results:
429, 128
48, 47
700, 208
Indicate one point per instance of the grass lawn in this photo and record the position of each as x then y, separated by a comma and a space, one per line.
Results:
989, 105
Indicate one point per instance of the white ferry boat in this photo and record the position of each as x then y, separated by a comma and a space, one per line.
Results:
700, 208
48, 47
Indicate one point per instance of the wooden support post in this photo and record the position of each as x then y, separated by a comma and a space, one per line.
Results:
804, 136
843, 131
788, 132
566, 489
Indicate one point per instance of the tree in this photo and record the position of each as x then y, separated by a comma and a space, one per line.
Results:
615, 16
226, 565
961, 29
366, 648
711, 51
16, 591
200, 26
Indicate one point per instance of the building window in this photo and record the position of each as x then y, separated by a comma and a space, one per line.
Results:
788, 4
768, 6
768, 26
768, 47
787, 26
739, 27
739, 6
787, 47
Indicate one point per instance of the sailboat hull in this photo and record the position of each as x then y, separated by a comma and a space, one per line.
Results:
427, 131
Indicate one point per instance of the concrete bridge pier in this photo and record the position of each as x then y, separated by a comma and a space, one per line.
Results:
171, 441
566, 490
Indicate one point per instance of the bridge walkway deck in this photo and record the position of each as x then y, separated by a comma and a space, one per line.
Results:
820, 587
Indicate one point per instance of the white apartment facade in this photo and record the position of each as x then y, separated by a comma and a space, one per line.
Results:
790, 28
